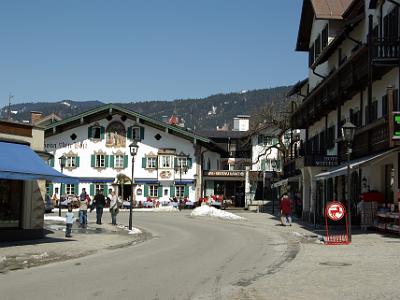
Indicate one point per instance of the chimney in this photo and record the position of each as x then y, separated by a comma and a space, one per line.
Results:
36, 116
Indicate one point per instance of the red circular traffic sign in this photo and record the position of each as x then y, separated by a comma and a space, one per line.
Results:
335, 210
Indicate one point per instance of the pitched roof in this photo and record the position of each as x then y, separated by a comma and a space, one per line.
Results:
110, 109
321, 9
330, 9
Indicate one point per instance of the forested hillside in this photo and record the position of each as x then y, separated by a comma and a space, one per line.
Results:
204, 113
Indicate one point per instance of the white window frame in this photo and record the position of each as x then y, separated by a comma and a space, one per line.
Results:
165, 161
135, 133
100, 161
70, 162
151, 162
119, 161
153, 190
94, 130
69, 189
181, 161
179, 191
98, 187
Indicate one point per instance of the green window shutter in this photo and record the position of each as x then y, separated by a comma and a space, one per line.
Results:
125, 161
146, 190
175, 162
129, 132
102, 129
141, 133
105, 190
89, 132
78, 161
50, 189
106, 160
51, 162
93, 160
159, 192
189, 162
143, 162
112, 158
172, 191
92, 190
156, 162
186, 191
260, 139
263, 165
76, 189
62, 189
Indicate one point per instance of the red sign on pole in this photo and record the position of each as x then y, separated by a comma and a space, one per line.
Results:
335, 211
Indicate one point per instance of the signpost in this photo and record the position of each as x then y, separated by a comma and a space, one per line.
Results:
335, 211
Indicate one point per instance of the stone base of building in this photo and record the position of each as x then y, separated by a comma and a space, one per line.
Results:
11, 235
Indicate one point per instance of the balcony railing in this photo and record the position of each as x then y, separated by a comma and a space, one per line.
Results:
369, 139
386, 50
239, 154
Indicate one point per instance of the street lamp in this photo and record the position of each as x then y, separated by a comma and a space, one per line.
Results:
273, 165
181, 168
133, 148
61, 161
348, 131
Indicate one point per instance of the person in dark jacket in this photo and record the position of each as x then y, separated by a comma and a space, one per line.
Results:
99, 202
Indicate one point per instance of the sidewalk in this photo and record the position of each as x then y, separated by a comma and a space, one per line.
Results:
365, 269
55, 247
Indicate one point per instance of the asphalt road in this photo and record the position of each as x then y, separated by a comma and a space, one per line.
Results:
186, 258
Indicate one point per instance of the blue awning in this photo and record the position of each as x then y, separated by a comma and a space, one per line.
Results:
146, 180
20, 162
181, 182
96, 179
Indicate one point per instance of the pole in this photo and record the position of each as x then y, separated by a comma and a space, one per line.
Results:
348, 189
59, 201
273, 194
130, 206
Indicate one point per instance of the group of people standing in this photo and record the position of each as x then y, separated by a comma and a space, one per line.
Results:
98, 203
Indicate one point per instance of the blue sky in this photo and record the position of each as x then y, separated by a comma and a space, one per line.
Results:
145, 49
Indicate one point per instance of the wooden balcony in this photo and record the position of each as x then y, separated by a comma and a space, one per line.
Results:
368, 140
386, 51
335, 89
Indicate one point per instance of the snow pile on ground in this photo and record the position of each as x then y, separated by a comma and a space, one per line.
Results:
210, 211
133, 231
54, 218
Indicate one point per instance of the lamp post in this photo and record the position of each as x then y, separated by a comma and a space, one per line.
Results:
273, 165
133, 149
348, 130
180, 167
61, 161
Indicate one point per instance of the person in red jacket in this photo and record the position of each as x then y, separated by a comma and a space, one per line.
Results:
286, 210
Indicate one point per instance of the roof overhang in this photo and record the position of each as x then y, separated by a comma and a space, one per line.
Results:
320, 10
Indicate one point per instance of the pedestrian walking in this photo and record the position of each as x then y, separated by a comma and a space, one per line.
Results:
98, 202
115, 203
83, 207
286, 210
69, 220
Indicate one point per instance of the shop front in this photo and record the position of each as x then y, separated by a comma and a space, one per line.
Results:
229, 184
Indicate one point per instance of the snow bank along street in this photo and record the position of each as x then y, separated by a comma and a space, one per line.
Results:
208, 211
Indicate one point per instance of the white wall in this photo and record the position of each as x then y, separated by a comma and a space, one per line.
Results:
61, 144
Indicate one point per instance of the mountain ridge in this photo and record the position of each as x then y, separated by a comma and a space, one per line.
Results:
198, 113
